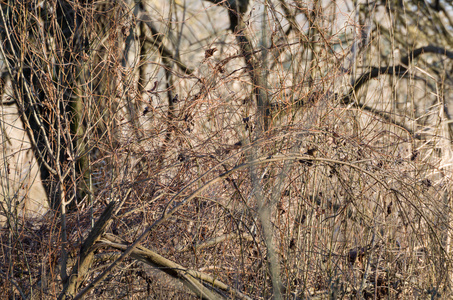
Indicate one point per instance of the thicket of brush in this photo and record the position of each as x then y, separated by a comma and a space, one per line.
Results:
228, 149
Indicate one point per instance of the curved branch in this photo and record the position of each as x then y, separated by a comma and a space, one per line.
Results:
399, 70
427, 49
375, 72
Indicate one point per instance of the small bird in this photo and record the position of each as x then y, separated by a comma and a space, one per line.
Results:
312, 151
210, 52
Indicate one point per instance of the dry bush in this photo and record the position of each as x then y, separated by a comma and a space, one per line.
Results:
245, 150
